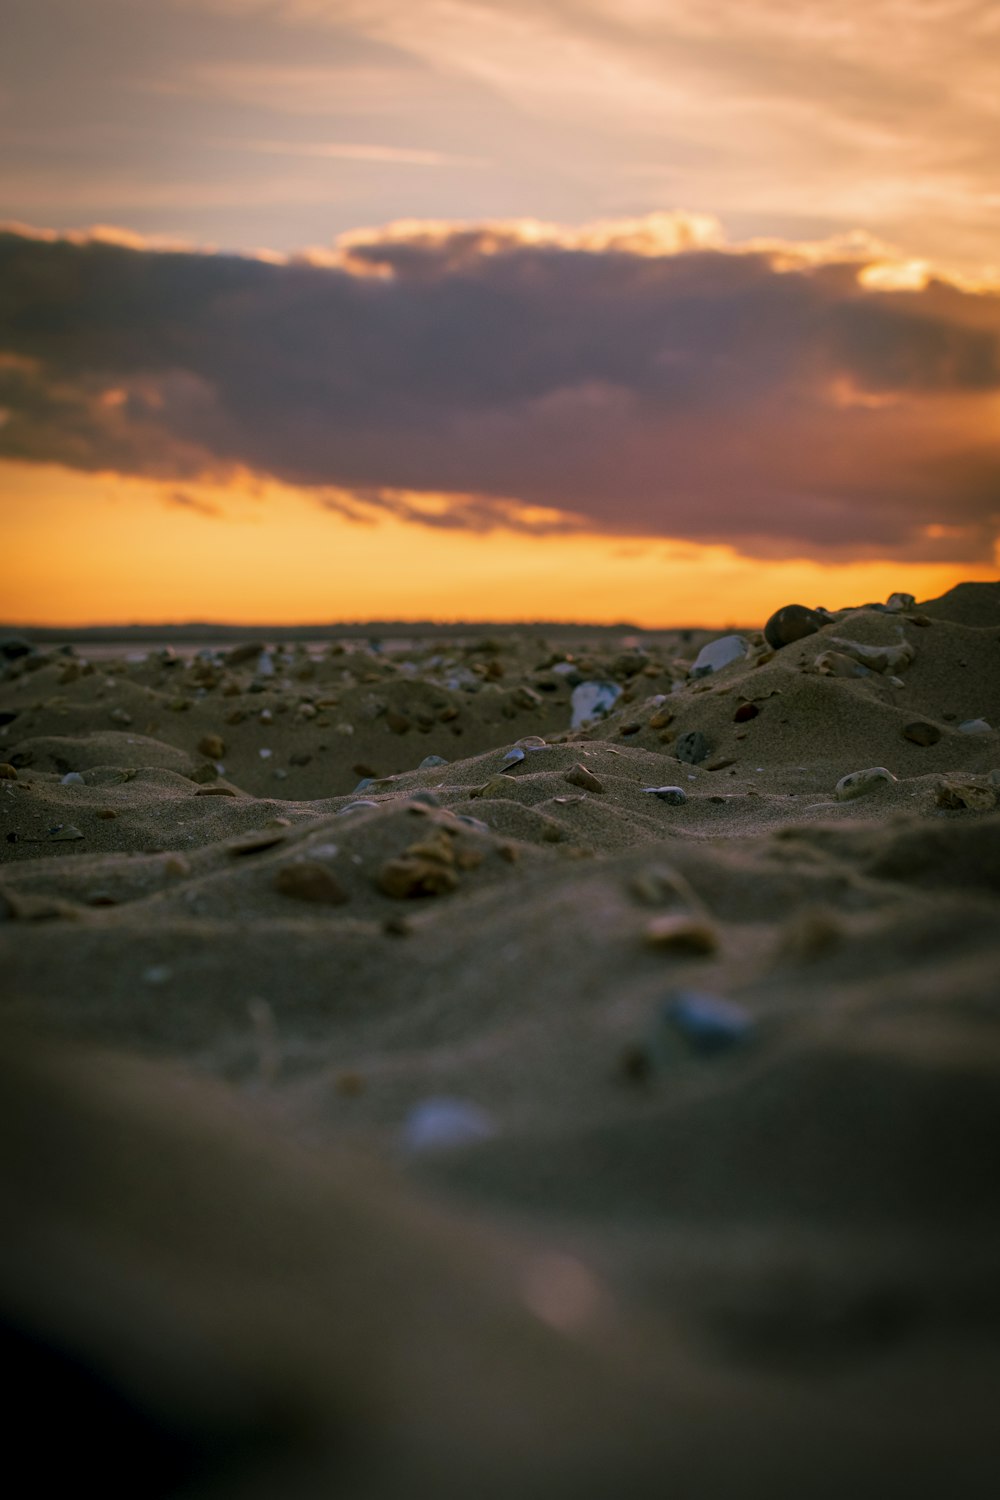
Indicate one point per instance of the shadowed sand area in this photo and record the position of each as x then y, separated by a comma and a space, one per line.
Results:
496, 1125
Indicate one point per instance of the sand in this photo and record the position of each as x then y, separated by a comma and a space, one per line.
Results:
497, 1126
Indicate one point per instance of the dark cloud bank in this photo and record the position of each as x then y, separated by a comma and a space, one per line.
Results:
706, 394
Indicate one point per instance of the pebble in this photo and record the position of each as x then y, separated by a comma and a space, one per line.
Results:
839, 664
513, 757
72, 778
425, 799
214, 791
921, 733
745, 712
707, 1023
255, 842
680, 933
592, 700
431, 760
955, 795
793, 622
412, 875
120, 716
358, 806
876, 658
692, 748
212, 745
859, 783
265, 753
7, 771
719, 654
440, 1123
308, 880
975, 726
579, 776
65, 833
675, 795
898, 602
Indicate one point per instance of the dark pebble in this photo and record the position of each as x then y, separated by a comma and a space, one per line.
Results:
744, 712
793, 622
692, 748
920, 733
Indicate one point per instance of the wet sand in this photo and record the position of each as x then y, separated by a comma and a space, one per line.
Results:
407, 1092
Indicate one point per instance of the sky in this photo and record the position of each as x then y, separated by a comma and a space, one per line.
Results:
610, 310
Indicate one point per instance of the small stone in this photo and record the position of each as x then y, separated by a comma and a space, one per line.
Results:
109, 812
897, 602
397, 722
632, 727
975, 726
512, 758
793, 622
176, 866
72, 778
353, 807
921, 733
721, 762
719, 654
675, 795
255, 842
411, 876
65, 833
692, 748
120, 716
431, 761
958, 795
8, 772
579, 776
661, 718
707, 1023
860, 783
745, 712
592, 700
215, 791
308, 880
440, 1124
212, 745
839, 664
679, 933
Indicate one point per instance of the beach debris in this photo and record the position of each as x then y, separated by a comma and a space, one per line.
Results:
969, 795
860, 783
975, 726
212, 745
678, 932
675, 795
793, 622
65, 833
592, 700
426, 868
512, 758
875, 658
439, 1124
921, 733
692, 748
255, 842
578, 775
718, 654
308, 880
839, 664
706, 1022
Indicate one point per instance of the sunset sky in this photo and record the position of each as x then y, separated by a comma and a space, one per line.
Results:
668, 311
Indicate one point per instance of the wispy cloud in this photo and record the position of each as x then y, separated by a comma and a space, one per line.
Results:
351, 151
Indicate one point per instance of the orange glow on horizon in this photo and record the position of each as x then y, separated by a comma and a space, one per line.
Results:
103, 549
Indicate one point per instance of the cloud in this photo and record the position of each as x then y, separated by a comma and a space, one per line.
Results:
184, 500
638, 378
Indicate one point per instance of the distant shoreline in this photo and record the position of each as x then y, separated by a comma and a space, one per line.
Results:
201, 632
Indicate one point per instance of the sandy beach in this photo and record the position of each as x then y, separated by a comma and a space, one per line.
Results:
507, 1068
